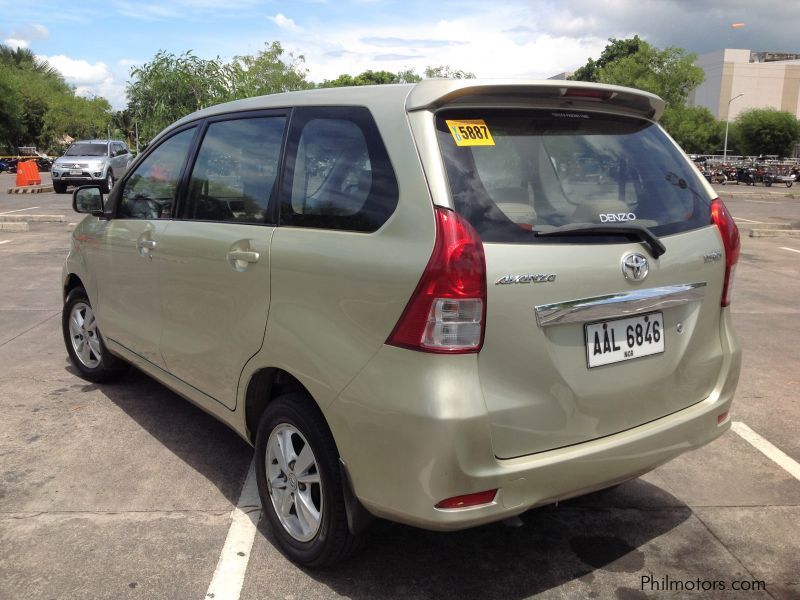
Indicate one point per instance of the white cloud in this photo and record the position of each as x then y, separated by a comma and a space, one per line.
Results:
285, 22
15, 43
475, 41
22, 38
79, 72
90, 79
38, 32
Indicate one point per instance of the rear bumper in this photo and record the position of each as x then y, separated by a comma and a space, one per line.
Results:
413, 430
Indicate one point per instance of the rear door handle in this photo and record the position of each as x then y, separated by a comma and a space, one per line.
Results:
145, 247
244, 255
240, 259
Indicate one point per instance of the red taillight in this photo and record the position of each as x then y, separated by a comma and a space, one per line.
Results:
730, 242
447, 312
468, 500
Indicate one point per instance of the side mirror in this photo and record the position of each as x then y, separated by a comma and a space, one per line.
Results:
88, 200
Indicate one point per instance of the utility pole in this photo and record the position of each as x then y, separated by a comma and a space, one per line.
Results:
727, 122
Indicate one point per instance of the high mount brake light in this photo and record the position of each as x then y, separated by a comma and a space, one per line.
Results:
730, 242
587, 93
447, 311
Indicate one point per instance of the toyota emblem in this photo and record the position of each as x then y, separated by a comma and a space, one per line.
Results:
634, 267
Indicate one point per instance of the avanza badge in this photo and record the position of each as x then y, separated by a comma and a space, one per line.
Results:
470, 132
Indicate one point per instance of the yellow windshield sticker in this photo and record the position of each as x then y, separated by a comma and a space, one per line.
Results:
471, 132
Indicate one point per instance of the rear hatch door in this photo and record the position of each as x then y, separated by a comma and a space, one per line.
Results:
604, 273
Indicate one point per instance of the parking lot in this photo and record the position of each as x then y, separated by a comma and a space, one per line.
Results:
127, 491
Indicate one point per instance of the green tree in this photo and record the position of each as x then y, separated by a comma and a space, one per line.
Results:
25, 59
270, 71
370, 77
669, 73
76, 117
616, 50
694, 128
407, 76
10, 111
169, 86
123, 127
447, 72
765, 131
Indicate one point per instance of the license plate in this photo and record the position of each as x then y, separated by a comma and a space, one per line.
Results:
609, 342
75, 172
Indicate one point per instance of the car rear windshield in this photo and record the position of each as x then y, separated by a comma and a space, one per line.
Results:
87, 150
514, 173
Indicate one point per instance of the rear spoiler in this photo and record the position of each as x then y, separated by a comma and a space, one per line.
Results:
432, 94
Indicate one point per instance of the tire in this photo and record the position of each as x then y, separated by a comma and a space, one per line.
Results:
788, 183
59, 188
108, 182
293, 430
84, 343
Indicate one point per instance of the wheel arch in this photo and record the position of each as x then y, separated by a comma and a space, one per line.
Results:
72, 282
265, 385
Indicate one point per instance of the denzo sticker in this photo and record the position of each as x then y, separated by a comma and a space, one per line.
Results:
470, 132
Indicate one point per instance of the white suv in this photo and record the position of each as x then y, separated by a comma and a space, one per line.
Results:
91, 161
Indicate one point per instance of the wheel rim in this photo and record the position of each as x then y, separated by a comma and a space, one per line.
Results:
294, 482
109, 181
84, 335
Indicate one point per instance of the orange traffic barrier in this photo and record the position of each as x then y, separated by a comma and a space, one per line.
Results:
28, 173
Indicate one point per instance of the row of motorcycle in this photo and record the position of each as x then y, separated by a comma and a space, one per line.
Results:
10, 164
751, 176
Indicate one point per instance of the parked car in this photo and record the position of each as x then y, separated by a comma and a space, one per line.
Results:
91, 161
412, 303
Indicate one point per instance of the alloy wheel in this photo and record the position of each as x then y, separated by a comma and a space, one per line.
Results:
84, 335
294, 482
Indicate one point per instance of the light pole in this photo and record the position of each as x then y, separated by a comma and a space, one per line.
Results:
728, 122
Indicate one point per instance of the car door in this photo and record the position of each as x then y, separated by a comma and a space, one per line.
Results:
128, 285
122, 159
117, 161
215, 259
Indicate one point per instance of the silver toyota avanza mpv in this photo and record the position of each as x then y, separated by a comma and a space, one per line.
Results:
441, 304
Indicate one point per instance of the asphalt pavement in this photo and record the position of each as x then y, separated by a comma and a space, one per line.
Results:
126, 490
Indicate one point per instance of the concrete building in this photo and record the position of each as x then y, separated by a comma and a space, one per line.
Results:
766, 80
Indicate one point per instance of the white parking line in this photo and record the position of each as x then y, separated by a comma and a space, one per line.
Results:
776, 455
232, 566
761, 202
789, 249
748, 220
4, 242
8, 212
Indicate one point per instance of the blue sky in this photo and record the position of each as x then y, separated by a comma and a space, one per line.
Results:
95, 43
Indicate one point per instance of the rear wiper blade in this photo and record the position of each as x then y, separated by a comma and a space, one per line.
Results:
631, 231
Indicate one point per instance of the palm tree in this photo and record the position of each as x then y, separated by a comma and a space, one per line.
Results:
24, 58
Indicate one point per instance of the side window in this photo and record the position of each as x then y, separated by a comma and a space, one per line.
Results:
236, 170
338, 172
150, 191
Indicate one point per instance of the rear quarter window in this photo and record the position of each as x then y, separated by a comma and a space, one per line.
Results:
542, 169
338, 173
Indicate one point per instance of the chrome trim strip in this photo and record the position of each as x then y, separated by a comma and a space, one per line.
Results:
623, 304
